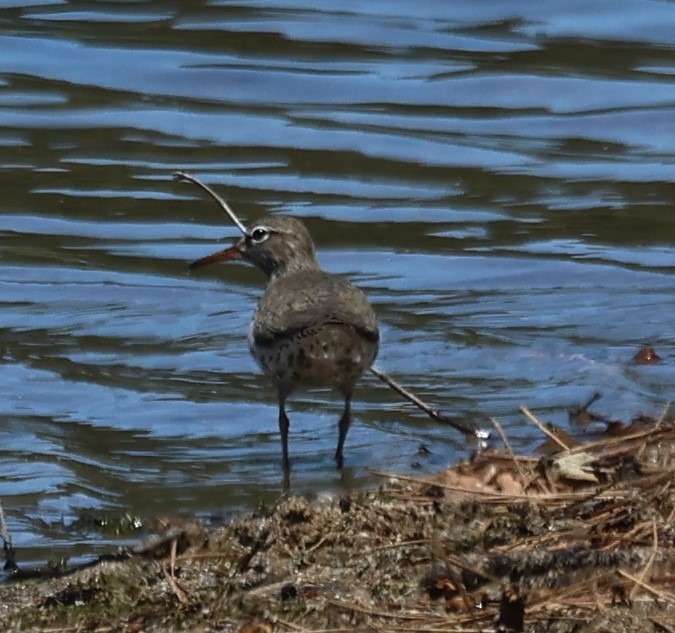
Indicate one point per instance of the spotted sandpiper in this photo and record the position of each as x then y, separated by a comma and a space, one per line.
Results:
311, 328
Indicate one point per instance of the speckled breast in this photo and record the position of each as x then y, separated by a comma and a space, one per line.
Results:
332, 355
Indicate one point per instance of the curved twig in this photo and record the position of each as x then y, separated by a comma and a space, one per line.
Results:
185, 177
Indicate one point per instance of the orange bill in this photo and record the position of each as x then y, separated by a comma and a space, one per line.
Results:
227, 255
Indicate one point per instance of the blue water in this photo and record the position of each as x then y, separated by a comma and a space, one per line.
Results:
497, 177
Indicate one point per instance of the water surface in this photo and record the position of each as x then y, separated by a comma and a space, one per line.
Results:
497, 176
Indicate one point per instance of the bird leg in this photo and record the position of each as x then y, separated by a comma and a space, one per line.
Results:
343, 427
284, 424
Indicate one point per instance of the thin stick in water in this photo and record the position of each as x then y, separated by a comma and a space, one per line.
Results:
455, 423
529, 415
185, 177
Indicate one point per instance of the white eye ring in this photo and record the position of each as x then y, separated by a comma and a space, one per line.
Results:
259, 234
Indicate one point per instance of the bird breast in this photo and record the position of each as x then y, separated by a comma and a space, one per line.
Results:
330, 355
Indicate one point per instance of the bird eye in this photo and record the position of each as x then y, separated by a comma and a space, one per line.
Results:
260, 234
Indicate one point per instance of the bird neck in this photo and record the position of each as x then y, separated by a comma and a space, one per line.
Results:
293, 266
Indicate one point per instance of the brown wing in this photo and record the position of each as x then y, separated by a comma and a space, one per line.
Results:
310, 300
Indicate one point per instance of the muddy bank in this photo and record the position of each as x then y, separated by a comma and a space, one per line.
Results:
580, 540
